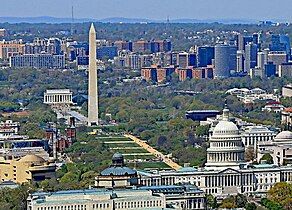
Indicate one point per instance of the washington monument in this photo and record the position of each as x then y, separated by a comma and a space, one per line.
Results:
92, 83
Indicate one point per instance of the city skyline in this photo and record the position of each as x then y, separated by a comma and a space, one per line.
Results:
151, 9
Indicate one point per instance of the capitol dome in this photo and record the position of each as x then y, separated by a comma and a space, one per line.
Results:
226, 148
225, 128
285, 137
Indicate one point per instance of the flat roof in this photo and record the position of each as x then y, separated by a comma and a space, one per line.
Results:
202, 111
58, 91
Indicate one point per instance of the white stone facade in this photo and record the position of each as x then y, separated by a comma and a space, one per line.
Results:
58, 96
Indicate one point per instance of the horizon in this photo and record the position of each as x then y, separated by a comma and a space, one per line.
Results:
256, 10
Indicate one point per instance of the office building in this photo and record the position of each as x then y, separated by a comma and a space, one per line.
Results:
106, 52
203, 72
30, 168
257, 72
38, 61
157, 73
192, 59
233, 58
124, 45
250, 56
261, 61
201, 115
240, 61
92, 80
101, 199
183, 59
184, 73
285, 70
277, 58
243, 40
141, 46
11, 48
205, 55
222, 61
133, 61
2, 32
281, 43
270, 69
287, 91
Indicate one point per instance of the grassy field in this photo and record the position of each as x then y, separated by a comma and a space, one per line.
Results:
131, 152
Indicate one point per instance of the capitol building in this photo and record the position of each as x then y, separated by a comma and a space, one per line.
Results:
226, 172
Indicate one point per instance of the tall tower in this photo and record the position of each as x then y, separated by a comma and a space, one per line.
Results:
92, 83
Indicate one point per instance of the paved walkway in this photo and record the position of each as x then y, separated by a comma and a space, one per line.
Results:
153, 151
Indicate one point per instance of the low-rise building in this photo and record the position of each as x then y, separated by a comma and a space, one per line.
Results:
286, 116
253, 135
30, 168
97, 199
287, 91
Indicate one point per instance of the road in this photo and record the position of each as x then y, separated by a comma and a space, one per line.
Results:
153, 151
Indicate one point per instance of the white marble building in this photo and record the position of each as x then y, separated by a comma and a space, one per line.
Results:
58, 96
225, 173
280, 148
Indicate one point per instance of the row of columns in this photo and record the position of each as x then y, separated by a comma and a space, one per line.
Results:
224, 157
158, 181
195, 204
287, 176
58, 98
229, 180
226, 144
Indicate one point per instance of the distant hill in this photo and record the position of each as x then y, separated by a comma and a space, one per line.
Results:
48, 19
125, 20
42, 19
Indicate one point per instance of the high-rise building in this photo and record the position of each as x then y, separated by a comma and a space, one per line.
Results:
183, 59
107, 52
141, 46
278, 58
222, 61
38, 61
205, 55
233, 58
285, 70
240, 61
281, 43
92, 80
124, 45
243, 40
192, 59
261, 60
10, 48
250, 56
184, 73
270, 69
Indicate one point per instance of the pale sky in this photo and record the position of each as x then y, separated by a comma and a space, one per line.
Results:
151, 9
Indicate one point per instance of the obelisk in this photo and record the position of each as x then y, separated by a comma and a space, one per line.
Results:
92, 80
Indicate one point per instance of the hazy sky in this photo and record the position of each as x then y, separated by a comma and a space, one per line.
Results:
152, 9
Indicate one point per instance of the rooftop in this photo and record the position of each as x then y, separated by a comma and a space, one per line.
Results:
58, 91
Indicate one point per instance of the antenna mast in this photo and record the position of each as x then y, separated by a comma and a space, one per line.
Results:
72, 19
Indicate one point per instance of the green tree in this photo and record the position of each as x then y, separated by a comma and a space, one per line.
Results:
250, 206
267, 158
